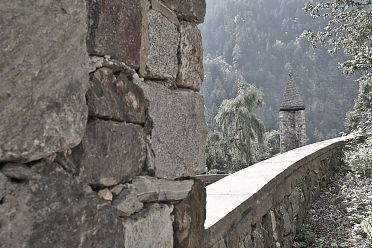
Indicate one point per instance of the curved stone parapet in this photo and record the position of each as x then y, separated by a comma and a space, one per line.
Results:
262, 205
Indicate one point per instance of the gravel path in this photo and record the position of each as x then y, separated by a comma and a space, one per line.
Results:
334, 219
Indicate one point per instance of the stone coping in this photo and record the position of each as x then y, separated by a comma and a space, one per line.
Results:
228, 197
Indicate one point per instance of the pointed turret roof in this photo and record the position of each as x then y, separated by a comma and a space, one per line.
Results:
292, 100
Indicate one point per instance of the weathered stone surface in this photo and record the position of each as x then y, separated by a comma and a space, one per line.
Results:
150, 189
105, 194
96, 62
43, 75
115, 29
160, 59
117, 189
154, 226
127, 203
19, 171
3, 183
115, 97
153, 189
191, 73
110, 153
189, 217
167, 12
56, 212
179, 133
258, 236
189, 10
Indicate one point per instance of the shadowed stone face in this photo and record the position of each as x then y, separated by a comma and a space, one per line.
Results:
115, 29
154, 226
110, 153
43, 77
115, 97
56, 211
188, 10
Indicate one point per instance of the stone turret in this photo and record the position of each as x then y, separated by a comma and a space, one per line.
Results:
292, 124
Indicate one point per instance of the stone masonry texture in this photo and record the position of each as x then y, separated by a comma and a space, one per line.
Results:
115, 29
102, 128
189, 10
43, 75
292, 125
178, 123
191, 73
160, 52
56, 211
114, 97
110, 153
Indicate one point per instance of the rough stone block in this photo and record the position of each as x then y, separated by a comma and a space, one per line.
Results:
179, 133
167, 12
19, 171
189, 217
127, 203
188, 10
43, 77
160, 50
191, 73
55, 211
153, 189
110, 153
150, 228
115, 97
115, 29
3, 183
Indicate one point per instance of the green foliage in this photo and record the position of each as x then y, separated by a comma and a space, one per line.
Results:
360, 119
349, 29
268, 148
232, 146
359, 158
367, 228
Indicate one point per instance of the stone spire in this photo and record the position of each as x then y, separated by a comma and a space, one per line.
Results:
292, 123
292, 99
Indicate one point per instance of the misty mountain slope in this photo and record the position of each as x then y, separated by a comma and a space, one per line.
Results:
256, 41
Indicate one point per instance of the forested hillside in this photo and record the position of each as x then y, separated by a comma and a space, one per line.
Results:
257, 42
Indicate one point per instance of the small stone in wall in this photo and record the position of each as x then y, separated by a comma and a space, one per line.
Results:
150, 189
117, 189
127, 203
190, 74
105, 194
150, 228
19, 171
188, 10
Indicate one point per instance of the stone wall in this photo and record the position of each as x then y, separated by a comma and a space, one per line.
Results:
292, 126
102, 129
263, 205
